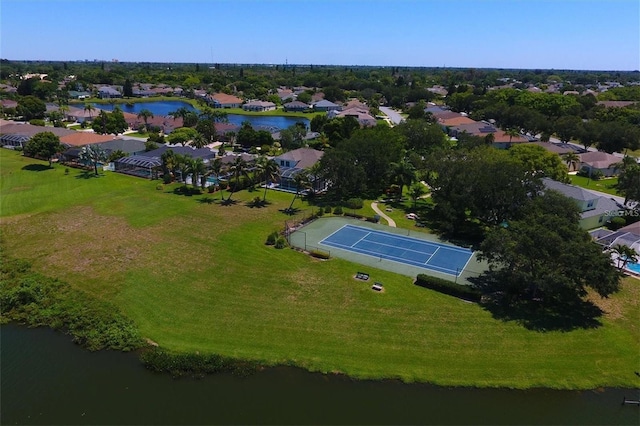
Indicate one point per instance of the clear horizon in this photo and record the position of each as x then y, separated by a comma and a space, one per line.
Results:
527, 34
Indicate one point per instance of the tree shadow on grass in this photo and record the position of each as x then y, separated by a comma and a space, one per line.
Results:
206, 200
37, 167
290, 211
87, 174
187, 191
541, 315
257, 203
228, 202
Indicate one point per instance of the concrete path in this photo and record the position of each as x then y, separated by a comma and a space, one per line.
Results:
375, 208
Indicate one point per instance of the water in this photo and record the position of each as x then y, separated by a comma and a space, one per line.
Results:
166, 107
46, 379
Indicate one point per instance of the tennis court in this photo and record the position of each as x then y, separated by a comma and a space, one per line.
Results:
434, 256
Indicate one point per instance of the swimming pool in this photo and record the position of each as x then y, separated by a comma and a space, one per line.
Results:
633, 267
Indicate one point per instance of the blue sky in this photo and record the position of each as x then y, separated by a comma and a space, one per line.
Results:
560, 34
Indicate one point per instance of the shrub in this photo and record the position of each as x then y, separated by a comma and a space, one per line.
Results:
373, 219
319, 254
320, 213
159, 187
354, 203
616, 223
271, 238
37, 122
338, 211
355, 215
196, 364
447, 287
281, 243
327, 209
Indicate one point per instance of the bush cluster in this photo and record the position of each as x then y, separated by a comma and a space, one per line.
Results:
327, 209
319, 254
281, 243
195, 364
36, 300
447, 287
354, 203
338, 211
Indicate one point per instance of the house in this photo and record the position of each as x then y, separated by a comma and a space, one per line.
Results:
595, 210
222, 100
8, 103
259, 106
325, 105
13, 134
600, 161
296, 106
558, 148
80, 115
76, 94
108, 92
502, 140
293, 162
362, 115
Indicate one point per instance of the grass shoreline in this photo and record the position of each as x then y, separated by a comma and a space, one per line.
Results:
195, 276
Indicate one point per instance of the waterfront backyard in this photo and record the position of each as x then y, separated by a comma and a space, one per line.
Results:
195, 275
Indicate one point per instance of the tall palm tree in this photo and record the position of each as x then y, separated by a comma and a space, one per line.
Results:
301, 180
89, 108
625, 254
572, 160
145, 114
269, 170
238, 169
168, 165
216, 170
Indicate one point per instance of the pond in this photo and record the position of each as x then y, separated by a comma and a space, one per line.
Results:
46, 379
166, 107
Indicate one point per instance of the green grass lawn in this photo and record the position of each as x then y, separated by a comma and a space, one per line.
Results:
195, 275
606, 185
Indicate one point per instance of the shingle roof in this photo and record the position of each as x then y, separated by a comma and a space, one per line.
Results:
29, 130
570, 191
302, 157
599, 159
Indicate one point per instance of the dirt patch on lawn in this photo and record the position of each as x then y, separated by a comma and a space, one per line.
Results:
77, 242
618, 305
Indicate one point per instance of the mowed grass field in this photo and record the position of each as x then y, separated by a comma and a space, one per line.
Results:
196, 276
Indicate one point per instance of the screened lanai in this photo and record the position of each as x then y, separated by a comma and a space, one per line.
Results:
138, 165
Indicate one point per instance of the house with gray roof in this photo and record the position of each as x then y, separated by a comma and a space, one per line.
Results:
295, 106
259, 106
293, 162
107, 92
599, 161
595, 210
325, 105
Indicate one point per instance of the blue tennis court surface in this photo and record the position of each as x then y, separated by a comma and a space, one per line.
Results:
398, 248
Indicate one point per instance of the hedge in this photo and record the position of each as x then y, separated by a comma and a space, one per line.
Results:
447, 287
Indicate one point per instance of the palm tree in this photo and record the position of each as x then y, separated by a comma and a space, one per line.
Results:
196, 168
93, 154
145, 114
198, 141
89, 108
403, 173
238, 168
302, 182
572, 160
269, 170
216, 170
624, 253
168, 165
511, 133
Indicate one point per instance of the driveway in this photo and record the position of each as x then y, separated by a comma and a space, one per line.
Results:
393, 115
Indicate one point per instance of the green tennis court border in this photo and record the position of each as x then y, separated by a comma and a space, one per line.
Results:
309, 236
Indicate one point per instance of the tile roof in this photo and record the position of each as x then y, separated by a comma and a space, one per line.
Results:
26, 129
455, 121
223, 99
85, 138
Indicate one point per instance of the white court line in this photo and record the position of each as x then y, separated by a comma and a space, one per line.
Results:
400, 248
427, 262
354, 244
330, 235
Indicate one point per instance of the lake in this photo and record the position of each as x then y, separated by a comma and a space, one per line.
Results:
46, 379
166, 107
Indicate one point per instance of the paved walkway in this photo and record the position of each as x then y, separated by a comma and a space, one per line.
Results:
375, 208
